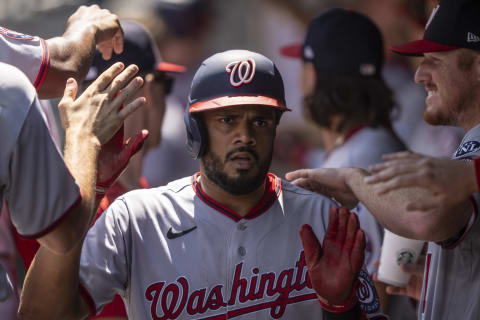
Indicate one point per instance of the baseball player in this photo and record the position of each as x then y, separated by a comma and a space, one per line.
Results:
346, 97
48, 63
224, 242
450, 73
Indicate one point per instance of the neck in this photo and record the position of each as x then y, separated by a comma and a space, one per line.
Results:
241, 204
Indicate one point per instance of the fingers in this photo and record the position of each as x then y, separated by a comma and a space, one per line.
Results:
400, 155
118, 42
352, 227
311, 245
104, 80
70, 92
131, 107
398, 182
396, 290
121, 81
358, 251
135, 143
332, 227
303, 183
106, 48
343, 216
302, 173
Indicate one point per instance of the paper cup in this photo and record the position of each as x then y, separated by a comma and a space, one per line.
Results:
397, 251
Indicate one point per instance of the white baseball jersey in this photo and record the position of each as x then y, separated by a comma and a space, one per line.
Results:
452, 277
174, 253
28, 53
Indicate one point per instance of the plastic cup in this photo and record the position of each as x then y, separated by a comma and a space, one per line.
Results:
397, 251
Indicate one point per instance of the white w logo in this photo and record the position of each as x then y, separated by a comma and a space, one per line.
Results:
241, 72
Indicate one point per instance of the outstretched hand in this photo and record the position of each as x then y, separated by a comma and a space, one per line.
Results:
334, 268
329, 182
115, 155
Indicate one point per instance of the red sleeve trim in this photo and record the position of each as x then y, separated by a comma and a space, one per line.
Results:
88, 300
475, 212
43, 67
56, 223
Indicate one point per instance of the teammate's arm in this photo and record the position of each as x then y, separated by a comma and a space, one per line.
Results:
90, 121
348, 185
71, 54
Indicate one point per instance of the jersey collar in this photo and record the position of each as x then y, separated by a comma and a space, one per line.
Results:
273, 187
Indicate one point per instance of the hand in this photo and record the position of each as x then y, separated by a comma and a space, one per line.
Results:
115, 155
328, 182
108, 32
450, 181
413, 289
98, 111
334, 269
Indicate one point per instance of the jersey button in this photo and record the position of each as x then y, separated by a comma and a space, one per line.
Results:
242, 251
241, 226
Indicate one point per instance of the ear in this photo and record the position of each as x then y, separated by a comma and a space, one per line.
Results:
335, 122
308, 78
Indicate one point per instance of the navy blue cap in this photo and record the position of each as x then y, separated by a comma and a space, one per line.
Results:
341, 41
138, 48
453, 24
236, 77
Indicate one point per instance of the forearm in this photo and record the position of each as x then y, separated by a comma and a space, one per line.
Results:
390, 210
70, 57
81, 152
51, 288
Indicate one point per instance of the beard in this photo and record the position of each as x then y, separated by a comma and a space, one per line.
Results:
243, 183
450, 116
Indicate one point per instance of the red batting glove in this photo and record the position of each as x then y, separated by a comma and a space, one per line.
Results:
114, 157
334, 269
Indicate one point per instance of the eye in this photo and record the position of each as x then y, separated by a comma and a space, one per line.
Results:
260, 122
226, 119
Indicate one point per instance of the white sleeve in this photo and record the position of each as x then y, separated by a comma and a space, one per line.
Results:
104, 264
27, 53
34, 180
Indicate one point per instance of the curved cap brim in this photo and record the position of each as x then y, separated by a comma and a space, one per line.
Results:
292, 51
170, 67
419, 47
228, 101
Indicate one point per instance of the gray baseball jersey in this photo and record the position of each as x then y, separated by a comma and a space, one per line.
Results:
34, 180
363, 147
174, 253
28, 53
452, 277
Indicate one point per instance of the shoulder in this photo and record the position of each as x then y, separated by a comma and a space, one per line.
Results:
294, 194
470, 145
151, 201
368, 146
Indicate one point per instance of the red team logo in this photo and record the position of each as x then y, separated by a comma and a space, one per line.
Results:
241, 72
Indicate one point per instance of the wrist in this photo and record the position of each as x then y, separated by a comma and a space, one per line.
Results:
344, 306
82, 136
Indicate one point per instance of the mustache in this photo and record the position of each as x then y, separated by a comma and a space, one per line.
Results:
242, 149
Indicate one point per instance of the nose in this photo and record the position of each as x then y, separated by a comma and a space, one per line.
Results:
422, 75
245, 134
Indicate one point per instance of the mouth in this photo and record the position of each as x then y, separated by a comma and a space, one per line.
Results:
242, 160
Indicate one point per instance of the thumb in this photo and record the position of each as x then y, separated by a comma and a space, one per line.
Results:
70, 92
311, 245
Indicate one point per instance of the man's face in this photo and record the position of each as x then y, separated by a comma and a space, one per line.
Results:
240, 147
449, 85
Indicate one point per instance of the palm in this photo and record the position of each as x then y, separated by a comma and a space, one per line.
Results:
334, 268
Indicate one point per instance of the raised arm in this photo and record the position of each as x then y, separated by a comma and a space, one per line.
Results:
89, 122
71, 54
390, 209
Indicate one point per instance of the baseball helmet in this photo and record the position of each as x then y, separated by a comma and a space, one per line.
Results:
230, 78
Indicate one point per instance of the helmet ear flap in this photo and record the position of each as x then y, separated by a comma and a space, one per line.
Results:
196, 135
